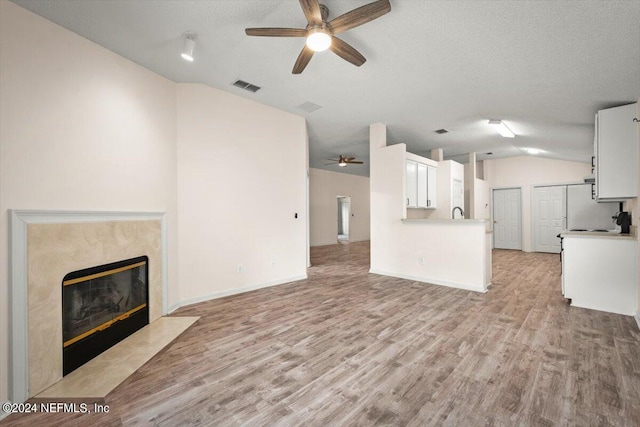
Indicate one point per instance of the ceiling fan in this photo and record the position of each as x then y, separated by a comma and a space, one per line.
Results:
343, 161
320, 33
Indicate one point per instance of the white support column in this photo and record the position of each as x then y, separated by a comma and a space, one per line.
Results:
437, 154
470, 187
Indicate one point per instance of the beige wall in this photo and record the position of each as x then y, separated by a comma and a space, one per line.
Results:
81, 129
324, 187
527, 171
237, 199
482, 199
84, 129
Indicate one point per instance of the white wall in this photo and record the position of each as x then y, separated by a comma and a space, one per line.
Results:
324, 187
526, 171
634, 211
81, 129
236, 196
482, 200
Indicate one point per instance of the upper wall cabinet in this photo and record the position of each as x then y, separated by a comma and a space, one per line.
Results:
421, 185
616, 153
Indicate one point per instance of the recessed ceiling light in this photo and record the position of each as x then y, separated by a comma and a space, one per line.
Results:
533, 151
189, 45
502, 128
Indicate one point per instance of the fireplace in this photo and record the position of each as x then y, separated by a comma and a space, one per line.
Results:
101, 306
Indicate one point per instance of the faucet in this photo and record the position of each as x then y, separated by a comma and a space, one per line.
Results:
453, 211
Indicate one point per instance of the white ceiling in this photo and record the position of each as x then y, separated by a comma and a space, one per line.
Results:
544, 68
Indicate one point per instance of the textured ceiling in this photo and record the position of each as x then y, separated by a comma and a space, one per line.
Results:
544, 68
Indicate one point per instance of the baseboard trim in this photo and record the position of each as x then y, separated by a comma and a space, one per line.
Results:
3, 415
637, 317
173, 308
222, 294
433, 282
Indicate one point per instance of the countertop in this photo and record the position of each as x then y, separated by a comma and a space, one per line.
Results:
446, 221
599, 234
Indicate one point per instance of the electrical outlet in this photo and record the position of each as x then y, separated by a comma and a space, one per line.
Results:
240, 269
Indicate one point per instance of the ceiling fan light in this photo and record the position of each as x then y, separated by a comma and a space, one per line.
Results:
502, 128
318, 40
342, 164
189, 45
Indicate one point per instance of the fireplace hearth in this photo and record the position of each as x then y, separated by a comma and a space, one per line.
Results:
101, 306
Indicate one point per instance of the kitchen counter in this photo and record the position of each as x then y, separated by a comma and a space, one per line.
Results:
446, 221
599, 234
599, 271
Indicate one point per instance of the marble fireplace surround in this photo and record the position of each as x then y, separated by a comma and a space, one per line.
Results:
46, 245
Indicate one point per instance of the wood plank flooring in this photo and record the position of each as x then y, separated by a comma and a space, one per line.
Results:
350, 348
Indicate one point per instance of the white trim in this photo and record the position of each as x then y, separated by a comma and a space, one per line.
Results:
462, 286
235, 291
18, 326
173, 308
3, 415
637, 317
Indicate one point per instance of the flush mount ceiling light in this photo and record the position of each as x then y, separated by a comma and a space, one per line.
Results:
318, 39
502, 128
189, 45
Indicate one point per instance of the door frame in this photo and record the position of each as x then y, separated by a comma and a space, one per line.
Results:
338, 197
493, 237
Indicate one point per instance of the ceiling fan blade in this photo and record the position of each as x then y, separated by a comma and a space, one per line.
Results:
276, 32
355, 163
303, 60
311, 10
346, 52
359, 16
348, 159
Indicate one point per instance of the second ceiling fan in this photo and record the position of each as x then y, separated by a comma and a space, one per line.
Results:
320, 33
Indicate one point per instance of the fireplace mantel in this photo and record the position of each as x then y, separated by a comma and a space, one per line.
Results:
24, 277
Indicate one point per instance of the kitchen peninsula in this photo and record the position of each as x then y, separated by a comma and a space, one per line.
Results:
455, 253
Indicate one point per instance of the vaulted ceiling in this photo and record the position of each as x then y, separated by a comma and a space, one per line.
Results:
544, 68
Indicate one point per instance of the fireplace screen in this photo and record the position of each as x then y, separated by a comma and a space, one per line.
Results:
96, 299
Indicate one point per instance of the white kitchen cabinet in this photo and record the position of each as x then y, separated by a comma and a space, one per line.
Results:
423, 190
421, 185
616, 153
412, 184
432, 187
600, 273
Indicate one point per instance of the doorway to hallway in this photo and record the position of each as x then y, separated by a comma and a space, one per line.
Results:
344, 214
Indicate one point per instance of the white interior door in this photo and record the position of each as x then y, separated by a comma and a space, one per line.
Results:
549, 207
507, 220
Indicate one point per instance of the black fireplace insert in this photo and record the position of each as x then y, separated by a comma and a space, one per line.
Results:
102, 306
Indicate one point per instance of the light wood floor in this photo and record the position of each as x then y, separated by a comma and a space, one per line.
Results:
350, 348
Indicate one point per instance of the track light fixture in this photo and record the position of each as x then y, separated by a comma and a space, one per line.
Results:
189, 45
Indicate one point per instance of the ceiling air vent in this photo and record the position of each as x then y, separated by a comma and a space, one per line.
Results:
441, 131
246, 86
309, 107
